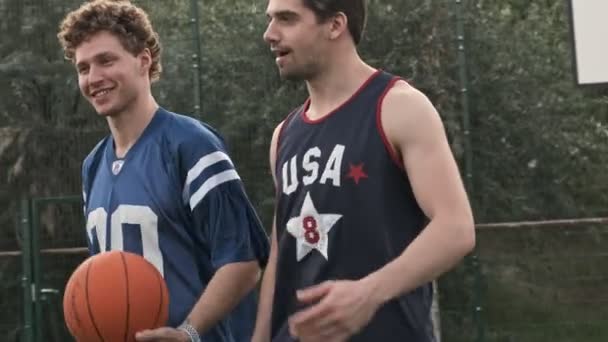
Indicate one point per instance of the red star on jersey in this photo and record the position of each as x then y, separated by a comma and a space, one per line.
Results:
356, 173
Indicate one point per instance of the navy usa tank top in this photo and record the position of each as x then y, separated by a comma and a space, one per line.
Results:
345, 209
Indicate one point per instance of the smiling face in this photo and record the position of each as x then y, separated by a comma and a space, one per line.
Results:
110, 77
296, 38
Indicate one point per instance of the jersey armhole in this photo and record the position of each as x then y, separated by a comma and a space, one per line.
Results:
283, 124
389, 148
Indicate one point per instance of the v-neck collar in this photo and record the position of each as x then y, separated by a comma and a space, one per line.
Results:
114, 163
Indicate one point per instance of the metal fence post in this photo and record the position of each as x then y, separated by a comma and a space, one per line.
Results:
35, 255
196, 59
473, 260
27, 282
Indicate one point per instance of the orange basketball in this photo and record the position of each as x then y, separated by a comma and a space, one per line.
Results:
113, 295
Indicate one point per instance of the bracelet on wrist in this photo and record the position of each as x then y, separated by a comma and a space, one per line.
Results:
189, 329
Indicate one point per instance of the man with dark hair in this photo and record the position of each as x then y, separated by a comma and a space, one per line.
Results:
370, 204
162, 184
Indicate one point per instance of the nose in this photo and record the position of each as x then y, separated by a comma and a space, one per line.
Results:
95, 76
271, 35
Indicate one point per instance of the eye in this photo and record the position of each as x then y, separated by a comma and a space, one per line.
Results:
82, 70
106, 61
286, 18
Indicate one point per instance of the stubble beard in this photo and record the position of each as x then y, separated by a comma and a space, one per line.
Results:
121, 106
304, 72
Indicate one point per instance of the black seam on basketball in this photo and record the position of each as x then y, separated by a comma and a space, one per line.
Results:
86, 291
162, 299
124, 264
72, 300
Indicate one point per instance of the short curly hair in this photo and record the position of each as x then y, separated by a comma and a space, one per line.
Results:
129, 23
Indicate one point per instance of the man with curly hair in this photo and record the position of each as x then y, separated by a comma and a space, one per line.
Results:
162, 184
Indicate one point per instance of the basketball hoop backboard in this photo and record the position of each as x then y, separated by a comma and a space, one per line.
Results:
589, 26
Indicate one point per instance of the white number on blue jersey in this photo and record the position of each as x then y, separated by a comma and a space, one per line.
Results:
139, 215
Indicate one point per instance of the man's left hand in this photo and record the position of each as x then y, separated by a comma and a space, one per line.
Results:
164, 334
339, 310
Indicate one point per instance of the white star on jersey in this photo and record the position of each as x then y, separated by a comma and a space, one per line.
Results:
311, 229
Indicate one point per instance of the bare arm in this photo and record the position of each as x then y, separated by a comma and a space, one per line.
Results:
419, 138
225, 290
264, 315
262, 326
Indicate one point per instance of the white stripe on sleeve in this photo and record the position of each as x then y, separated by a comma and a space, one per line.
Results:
204, 163
210, 184
200, 166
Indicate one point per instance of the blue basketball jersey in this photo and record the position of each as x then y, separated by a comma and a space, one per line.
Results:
177, 200
345, 209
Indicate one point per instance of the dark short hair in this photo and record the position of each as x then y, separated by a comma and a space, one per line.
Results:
355, 11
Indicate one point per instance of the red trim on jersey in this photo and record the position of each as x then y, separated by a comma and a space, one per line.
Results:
389, 148
323, 118
283, 124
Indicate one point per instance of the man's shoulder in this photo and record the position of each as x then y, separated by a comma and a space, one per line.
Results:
407, 115
190, 140
403, 100
183, 129
404, 92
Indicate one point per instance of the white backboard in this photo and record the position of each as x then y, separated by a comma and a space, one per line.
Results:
589, 25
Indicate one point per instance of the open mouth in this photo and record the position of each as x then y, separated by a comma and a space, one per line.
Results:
280, 53
100, 92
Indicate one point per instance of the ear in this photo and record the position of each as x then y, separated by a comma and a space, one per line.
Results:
337, 25
145, 61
